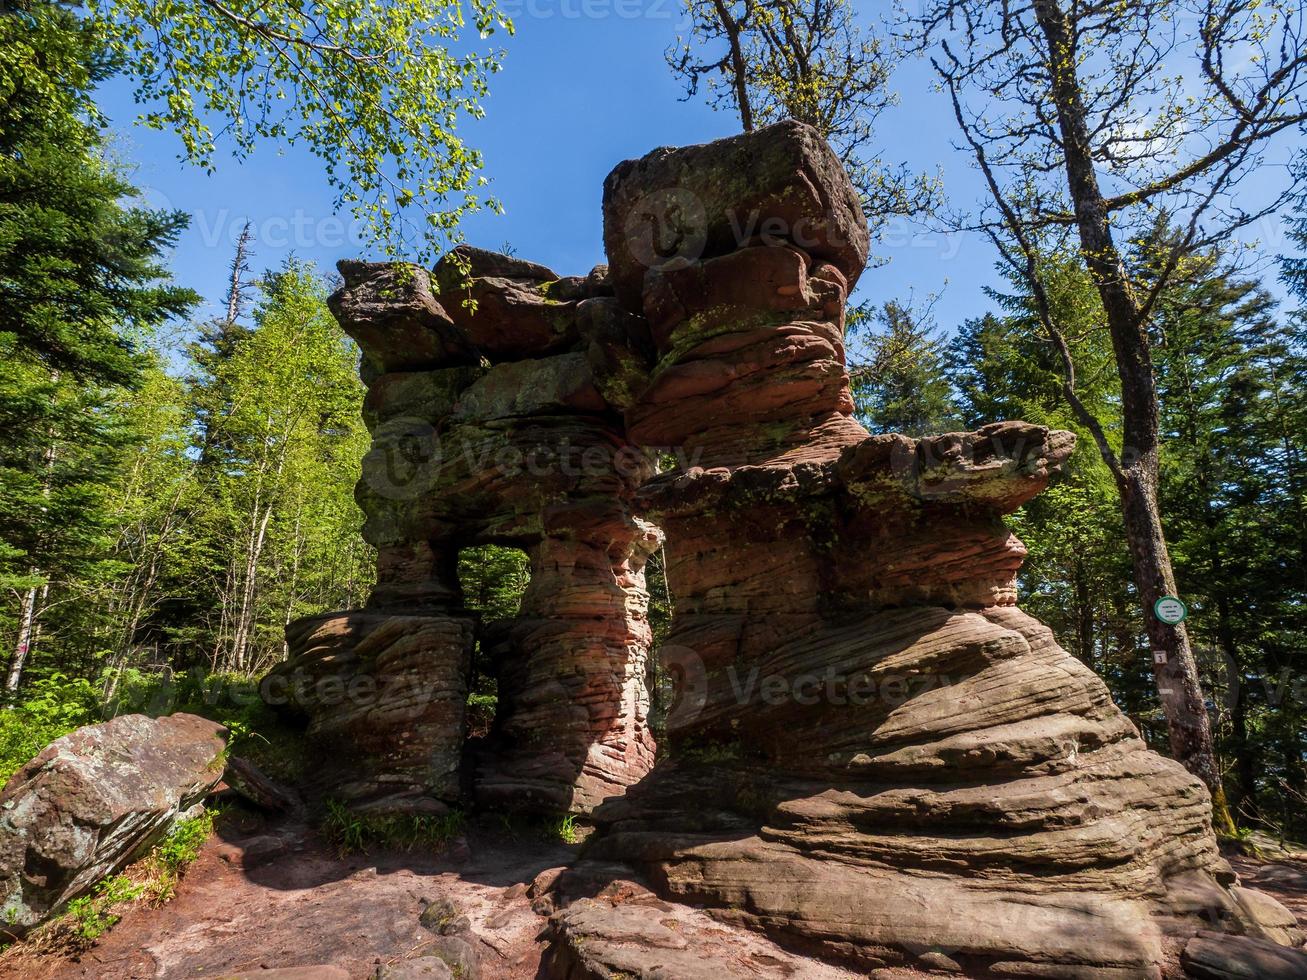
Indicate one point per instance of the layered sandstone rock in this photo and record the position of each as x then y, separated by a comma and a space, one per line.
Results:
494, 396
875, 754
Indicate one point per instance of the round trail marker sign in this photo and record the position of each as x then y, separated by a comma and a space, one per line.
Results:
1170, 610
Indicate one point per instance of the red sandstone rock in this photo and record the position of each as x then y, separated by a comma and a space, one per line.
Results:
93, 801
385, 696
526, 450
782, 184
390, 309
506, 307
876, 756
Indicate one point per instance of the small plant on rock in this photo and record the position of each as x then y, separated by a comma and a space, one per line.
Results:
153, 879
565, 829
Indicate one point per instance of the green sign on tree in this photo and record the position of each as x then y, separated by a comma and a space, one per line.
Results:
1170, 610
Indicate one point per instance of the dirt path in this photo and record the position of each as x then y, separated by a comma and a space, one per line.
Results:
284, 899
263, 898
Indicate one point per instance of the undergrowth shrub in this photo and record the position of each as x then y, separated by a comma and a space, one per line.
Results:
52, 706
55, 705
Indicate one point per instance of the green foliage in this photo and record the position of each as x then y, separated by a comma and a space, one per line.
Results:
351, 832
55, 705
78, 269
82, 289
280, 453
898, 378
153, 879
564, 829
210, 518
182, 846
1230, 377
375, 88
93, 915
493, 580
771, 60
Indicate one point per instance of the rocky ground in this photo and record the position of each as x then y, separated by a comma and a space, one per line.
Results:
270, 897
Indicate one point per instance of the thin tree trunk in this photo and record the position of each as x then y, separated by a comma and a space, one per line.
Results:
26, 631
1245, 755
245, 615
1084, 616
236, 287
1137, 471
292, 587
27, 628
259, 534
739, 67
220, 649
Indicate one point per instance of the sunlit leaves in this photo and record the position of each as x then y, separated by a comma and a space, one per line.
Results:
377, 89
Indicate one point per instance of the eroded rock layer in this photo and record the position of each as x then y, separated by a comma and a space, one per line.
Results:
495, 391
875, 754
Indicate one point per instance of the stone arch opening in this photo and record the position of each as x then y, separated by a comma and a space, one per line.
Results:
493, 579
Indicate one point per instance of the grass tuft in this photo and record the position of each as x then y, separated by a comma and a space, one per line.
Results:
353, 833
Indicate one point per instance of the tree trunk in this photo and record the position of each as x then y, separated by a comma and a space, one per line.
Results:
1174, 668
739, 68
1245, 757
26, 630
1084, 616
245, 615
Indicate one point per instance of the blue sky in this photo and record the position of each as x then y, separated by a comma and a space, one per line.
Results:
578, 94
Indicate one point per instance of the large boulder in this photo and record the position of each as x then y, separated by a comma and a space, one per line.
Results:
390, 310
95, 800
507, 307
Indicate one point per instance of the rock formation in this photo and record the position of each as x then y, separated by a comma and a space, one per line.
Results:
495, 412
874, 754
92, 802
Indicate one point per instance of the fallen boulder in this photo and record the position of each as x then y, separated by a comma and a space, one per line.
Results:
93, 801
